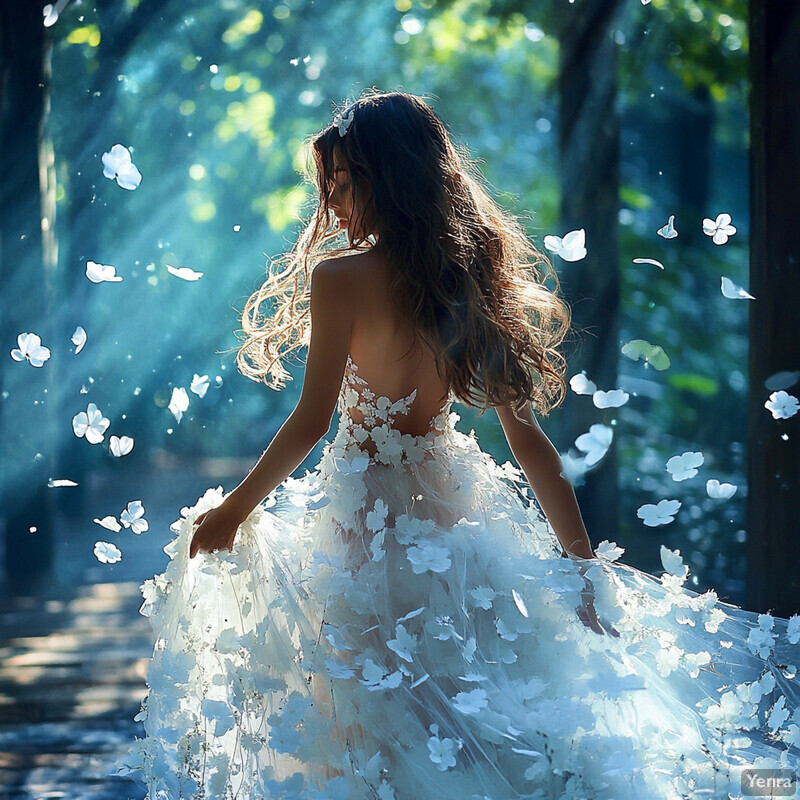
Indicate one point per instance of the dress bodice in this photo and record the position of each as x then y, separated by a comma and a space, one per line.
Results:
376, 435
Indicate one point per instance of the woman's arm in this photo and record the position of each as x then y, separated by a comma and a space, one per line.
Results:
331, 322
541, 464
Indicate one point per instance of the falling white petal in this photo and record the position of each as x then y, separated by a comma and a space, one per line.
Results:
179, 402
648, 261
199, 385
668, 231
79, 339
720, 491
572, 247
29, 346
109, 523
184, 273
611, 399
734, 291
580, 384
101, 273
120, 445
117, 165
107, 553
56, 483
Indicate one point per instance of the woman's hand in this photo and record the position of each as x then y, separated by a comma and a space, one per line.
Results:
216, 529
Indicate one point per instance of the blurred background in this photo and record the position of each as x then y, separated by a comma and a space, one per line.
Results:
611, 117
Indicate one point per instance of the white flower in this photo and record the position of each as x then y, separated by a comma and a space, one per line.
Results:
343, 120
376, 545
376, 519
720, 491
179, 402
117, 164
760, 640
728, 713
483, 596
564, 579
442, 752
719, 229
693, 662
611, 399
580, 384
377, 677
661, 514
408, 529
219, 712
387, 443
470, 702
120, 445
100, 273
30, 348
668, 231
336, 668
184, 273
685, 465
79, 339
90, 424
404, 644
428, 557
733, 291
595, 443
609, 550
778, 715
782, 405
673, 563
133, 517
107, 553
199, 385
793, 629
571, 248
358, 464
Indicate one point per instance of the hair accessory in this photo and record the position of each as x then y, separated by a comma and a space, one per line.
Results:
343, 120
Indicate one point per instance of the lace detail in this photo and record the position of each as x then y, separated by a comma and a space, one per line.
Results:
376, 436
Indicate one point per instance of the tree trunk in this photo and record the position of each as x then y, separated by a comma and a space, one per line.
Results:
589, 154
26, 420
773, 513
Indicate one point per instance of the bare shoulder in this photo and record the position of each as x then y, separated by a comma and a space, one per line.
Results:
344, 276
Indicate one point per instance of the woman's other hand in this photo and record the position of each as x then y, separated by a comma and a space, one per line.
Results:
216, 529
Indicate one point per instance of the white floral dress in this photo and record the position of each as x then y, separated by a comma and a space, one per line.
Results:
399, 624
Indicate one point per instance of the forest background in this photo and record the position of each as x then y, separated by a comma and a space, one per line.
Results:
608, 116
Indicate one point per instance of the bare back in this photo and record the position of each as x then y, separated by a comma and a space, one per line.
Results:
378, 342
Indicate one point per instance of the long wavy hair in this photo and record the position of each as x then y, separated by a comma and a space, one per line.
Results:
464, 273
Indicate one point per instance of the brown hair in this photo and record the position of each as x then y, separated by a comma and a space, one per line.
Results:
464, 272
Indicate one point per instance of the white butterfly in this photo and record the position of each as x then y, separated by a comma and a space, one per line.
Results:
571, 248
